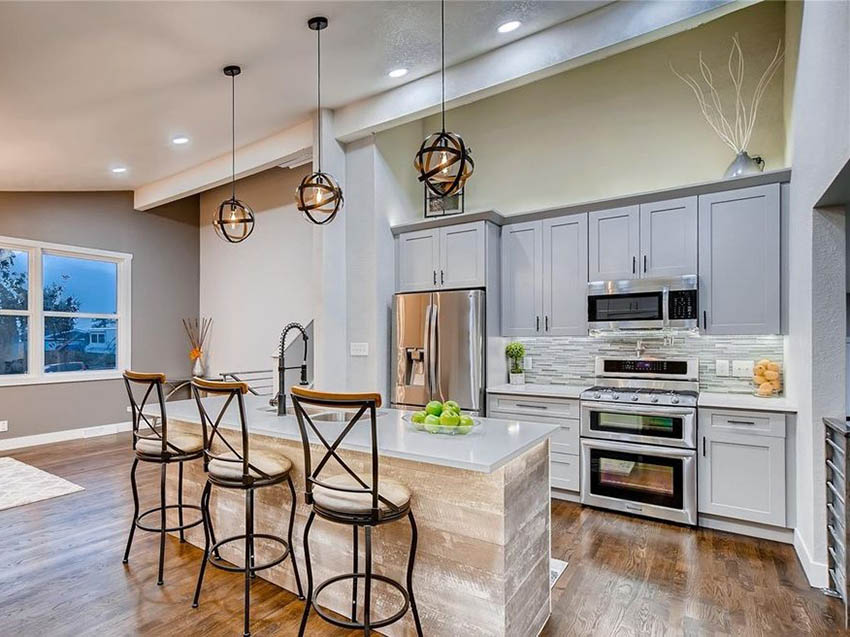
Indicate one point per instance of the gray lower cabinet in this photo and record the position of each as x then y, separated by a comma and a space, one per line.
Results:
544, 277
739, 269
564, 444
742, 465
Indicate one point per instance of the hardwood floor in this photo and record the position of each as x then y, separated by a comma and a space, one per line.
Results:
61, 571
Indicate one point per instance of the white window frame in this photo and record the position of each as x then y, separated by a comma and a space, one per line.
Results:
35, 313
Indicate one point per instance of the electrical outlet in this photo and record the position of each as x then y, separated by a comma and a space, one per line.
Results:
721, 368
742, 369
528, 363
359, 349
4, 425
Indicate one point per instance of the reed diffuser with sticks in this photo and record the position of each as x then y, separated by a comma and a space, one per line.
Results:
197, 330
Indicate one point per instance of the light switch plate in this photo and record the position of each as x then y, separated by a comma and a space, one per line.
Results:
359, 349
721, 368
4, 425
742, 369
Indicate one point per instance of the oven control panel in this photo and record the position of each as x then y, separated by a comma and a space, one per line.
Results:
645, 366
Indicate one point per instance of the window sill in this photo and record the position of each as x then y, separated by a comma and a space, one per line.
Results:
59, 377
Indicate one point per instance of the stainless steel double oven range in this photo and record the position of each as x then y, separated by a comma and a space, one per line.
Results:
638, 438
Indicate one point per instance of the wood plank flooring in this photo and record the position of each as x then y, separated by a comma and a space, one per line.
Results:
61, 572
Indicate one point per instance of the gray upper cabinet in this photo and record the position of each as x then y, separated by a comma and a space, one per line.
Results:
418, 260
668, 238
462, 256
739, 269
522, 279
441, 258
614, 244
565, 276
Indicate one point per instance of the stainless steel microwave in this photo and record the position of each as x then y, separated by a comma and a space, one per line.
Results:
635, 304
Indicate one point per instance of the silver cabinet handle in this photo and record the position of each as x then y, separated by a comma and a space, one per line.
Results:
531, 406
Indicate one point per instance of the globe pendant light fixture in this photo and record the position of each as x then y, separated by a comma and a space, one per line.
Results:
235, 220
318, 195
444, 162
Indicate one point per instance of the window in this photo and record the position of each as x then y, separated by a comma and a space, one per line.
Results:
64, 312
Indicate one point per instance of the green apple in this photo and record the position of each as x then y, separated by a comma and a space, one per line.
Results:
451, 404
449, 419
431, 419
434, 408
418, 417
466, 421
432, 429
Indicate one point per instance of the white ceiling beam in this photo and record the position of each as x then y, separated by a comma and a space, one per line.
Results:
601, 33
284, 147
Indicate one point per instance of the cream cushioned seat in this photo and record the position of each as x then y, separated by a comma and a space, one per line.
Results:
358, 503
186, 442
272, 464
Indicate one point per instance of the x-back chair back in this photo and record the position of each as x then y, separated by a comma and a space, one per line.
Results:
212, 430
361, 404
143, 427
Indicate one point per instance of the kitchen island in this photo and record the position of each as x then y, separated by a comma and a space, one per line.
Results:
481, 503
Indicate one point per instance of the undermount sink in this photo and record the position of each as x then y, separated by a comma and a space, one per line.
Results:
342, 416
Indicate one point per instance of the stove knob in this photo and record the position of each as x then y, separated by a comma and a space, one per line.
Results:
634, 396
615, 396
654, 399
597, 394
675, 400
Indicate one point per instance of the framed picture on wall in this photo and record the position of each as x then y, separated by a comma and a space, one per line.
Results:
443, 206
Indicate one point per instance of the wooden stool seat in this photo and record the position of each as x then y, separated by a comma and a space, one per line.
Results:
263, 464
358, 503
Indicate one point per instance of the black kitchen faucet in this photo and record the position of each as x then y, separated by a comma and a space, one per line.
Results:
282, 368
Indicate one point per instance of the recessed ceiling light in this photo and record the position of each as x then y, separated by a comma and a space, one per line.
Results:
180, 140
398, 73
507, 27
119, 169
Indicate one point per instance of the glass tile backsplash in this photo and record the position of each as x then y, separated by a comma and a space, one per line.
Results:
570, 360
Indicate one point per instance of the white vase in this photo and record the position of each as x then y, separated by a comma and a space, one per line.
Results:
517, 379
198, 368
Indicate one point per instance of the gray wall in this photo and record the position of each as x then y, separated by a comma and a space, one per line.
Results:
165, 249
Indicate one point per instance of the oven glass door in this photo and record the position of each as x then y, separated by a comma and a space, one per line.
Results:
635, 306
637, 477
657, 426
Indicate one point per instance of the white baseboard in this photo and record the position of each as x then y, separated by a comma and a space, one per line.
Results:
562, 494
62, 436
815, 571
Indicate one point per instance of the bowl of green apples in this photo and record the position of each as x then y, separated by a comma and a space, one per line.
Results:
442, 418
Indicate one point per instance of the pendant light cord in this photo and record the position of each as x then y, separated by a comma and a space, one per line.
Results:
233, 136
319, 90
443, 59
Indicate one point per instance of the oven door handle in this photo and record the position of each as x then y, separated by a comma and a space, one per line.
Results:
643, 410
629, 447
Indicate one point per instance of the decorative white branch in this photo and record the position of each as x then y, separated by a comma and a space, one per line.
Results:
737, 133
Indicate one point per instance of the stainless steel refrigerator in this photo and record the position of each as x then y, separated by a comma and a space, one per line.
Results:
439, 343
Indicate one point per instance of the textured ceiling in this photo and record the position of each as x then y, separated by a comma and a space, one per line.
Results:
85, 86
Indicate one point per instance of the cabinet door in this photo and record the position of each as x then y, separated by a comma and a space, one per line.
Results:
739, 271
522, 278
668, 238
418, 259
462, 256
565, 276
742, 476
614, 244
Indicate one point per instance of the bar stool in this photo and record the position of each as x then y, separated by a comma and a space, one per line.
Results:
236, 467
347, 499
155, 444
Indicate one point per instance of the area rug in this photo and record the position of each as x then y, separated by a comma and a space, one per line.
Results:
556, 569
21, 484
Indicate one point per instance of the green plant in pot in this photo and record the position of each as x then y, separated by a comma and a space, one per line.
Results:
516, 352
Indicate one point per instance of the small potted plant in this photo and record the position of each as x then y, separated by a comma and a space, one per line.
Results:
516, 352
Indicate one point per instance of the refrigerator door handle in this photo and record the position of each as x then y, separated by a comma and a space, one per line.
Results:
433, 345
426, 339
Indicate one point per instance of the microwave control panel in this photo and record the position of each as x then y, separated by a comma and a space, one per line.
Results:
683, 305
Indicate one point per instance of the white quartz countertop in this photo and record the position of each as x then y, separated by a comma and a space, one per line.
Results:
486, 448
745, 401
547, 391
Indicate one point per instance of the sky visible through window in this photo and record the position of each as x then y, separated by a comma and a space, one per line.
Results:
93, 284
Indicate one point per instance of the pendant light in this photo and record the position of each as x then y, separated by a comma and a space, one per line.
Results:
318, 195
444, 162
235, 220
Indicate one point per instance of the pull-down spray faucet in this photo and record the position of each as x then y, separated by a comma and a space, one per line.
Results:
281, 366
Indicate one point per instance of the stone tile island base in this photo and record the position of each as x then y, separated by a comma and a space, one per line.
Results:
482, 564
